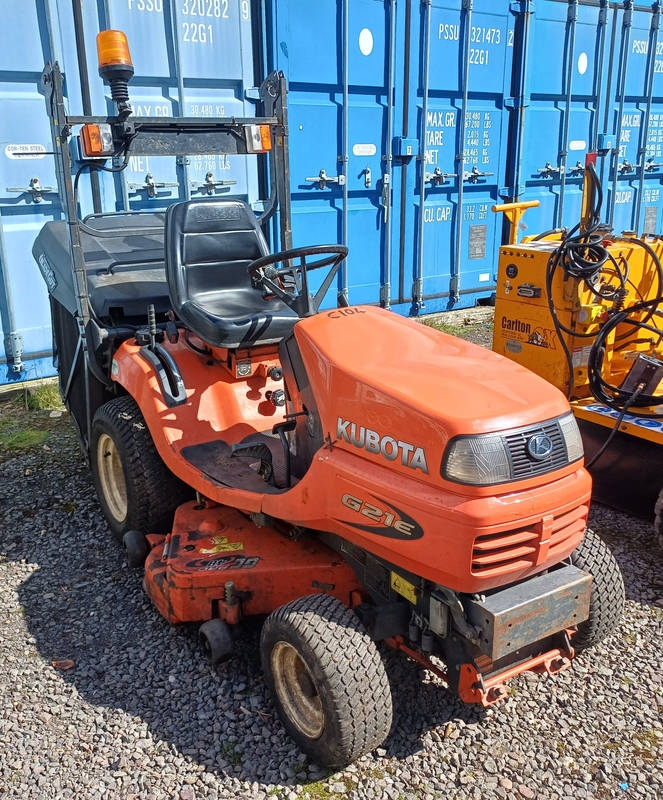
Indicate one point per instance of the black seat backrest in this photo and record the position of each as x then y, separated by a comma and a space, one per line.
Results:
209, 244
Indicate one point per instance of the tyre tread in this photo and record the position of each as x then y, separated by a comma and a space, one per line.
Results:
353, 670
607, 594
159, 490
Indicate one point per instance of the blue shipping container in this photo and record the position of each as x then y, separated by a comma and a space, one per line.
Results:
409, 119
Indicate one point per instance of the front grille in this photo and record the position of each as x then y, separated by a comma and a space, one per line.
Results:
522, 548
522, 464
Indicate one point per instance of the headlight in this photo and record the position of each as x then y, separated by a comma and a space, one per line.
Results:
513, 455
572, 438
479, 460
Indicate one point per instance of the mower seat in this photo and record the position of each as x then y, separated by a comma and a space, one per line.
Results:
208, 245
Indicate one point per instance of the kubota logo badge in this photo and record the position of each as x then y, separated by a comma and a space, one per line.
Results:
389, 447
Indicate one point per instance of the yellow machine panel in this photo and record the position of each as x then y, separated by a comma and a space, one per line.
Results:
524, 327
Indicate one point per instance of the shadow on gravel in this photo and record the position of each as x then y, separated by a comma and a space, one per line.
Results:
84, 603
633, 544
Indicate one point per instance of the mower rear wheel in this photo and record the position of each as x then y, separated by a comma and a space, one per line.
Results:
329, 683
216, 640
606, 604
135, 488
137, 548
658, 520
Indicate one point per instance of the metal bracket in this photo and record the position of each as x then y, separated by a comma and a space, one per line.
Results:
150, 186
474, 174
437, 177
209, 184
35, 189
451, 599
323, 179
548, 171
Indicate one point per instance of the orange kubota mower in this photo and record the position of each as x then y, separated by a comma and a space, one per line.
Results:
356, 476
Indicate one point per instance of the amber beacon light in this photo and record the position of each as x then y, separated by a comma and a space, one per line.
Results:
115, 67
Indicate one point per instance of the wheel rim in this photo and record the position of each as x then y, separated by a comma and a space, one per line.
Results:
111, 477
297, 691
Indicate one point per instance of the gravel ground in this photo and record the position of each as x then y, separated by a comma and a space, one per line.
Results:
141, 715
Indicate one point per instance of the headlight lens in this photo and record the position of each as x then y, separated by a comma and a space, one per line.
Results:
572, 438
492, 458
479, 460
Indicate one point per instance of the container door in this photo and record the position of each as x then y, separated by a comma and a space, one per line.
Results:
191, 58
338, 76
28, 189
567, 63
634, 171
460, 57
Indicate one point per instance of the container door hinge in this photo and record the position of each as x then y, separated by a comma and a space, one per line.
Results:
572, 11
510, 192
517, 102
418, 293
14, 350
521, 6
454, 287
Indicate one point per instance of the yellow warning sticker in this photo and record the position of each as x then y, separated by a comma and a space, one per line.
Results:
404, 588
221, 545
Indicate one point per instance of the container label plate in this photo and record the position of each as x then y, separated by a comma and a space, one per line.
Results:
649, 224
478, 235
25, 151
364, 149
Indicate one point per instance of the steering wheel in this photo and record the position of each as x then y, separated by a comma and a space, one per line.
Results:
290, 282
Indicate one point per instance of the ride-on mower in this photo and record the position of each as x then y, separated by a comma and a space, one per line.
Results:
358, 477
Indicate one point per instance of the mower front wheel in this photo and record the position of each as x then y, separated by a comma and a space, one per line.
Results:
606, 604
328, 680
216, 640
136, 490
137, 548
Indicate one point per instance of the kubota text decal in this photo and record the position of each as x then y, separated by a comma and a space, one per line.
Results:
388, 446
